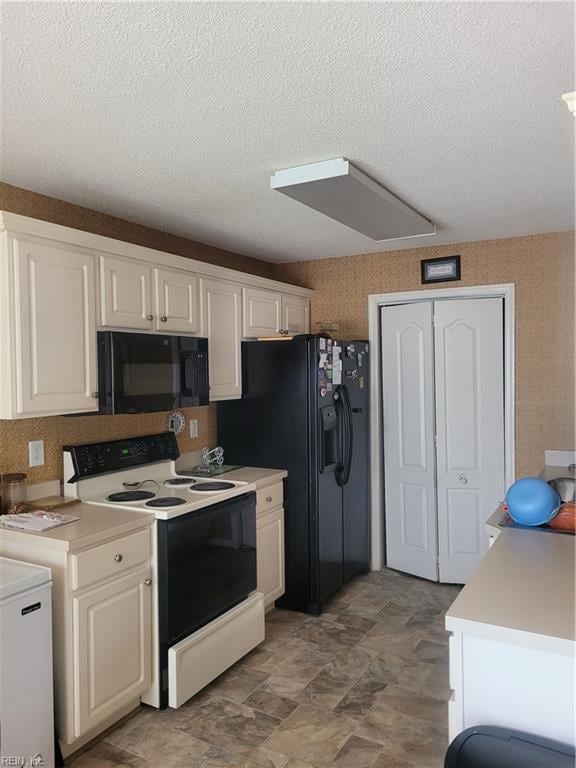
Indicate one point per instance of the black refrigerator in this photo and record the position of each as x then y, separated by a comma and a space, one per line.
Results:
305, 408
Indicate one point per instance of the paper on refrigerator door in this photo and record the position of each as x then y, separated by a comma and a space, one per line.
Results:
336, 365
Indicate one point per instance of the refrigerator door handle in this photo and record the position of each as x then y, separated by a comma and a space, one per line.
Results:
347, 437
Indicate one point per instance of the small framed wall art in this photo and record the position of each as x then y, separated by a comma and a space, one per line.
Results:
440, 270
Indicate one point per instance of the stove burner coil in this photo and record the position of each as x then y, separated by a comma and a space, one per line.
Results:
166, 501
130, 496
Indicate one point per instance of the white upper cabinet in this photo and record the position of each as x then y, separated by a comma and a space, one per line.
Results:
295, 314
125, 294
270, 313
262, 312
59, 286
222, 322
177, 297
50, 352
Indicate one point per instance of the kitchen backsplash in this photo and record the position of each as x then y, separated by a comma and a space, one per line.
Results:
57, 431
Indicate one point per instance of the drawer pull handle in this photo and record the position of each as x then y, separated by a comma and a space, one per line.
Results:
148, 582
268, 499
118, 558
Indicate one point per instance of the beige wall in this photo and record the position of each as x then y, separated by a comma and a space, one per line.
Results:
59, 431
541, 267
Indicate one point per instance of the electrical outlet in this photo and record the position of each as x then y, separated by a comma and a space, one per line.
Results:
193, 427
36, 453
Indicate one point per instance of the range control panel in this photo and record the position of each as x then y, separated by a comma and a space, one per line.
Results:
100, 458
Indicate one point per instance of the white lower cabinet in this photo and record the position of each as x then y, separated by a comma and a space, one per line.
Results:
512, 683
102, 631
112, 659
270, 543
222, 315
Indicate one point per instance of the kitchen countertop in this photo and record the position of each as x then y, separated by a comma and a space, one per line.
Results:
524, 590
96, 524
101, 523
258, 477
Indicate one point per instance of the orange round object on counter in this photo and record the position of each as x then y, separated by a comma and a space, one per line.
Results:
565, 518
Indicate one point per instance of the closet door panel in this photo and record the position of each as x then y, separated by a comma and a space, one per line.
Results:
408, 422
468, 340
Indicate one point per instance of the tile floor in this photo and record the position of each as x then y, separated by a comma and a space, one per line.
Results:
365, 685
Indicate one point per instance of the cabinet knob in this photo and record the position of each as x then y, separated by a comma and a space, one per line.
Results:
268, 499
118, 558
95, 395
463, 479
149, 317
148, 582
164, 319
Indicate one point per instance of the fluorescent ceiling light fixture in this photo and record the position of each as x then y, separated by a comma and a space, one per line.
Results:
339, 190
570, 99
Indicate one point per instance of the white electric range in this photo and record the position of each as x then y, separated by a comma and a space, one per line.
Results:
207, 613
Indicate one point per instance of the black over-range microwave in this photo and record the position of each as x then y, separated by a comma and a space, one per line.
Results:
141, 372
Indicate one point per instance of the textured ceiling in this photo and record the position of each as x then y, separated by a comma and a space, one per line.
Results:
175, 114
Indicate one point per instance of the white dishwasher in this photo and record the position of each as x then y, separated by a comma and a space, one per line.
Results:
26, 692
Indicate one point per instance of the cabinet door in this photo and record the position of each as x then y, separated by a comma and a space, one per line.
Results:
222, 314
262, 312
270, 553
125, 294
112, 648
55, 330
177, 301
295, 314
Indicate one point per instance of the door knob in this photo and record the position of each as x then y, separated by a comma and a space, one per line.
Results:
149, 317
163, 319
463, 479
148, 582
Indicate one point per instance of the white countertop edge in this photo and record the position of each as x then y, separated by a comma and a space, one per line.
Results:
50, 539
511, 636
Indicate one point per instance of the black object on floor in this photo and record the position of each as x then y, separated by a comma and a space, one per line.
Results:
487, 746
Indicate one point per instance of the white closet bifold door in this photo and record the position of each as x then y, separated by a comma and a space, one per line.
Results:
469, 360
409, 456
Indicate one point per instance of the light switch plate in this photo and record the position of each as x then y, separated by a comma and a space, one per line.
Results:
193, 427
36, 453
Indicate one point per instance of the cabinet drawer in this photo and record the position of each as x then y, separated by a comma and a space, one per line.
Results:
268, 498
110, 559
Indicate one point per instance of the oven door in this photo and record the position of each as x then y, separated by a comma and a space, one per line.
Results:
206, 565
142, 373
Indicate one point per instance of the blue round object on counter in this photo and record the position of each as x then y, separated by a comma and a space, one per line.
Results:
531, 501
